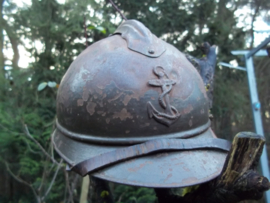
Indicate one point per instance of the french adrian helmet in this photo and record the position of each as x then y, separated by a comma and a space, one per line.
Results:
132, 109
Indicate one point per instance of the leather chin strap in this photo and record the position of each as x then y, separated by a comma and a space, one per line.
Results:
121, 154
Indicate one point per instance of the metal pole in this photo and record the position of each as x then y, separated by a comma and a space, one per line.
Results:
254, 51
256, 110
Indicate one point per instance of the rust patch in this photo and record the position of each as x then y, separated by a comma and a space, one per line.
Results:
190, 180
127, 99
91, 107
144, 125
85, 94
84, 76
135, 169
104, 96
168, 176
187, 110
181, 163
205, 153
190, 122
162, 154
122, 115
100, 103
79, 102
116, 97
99, 91
185, 168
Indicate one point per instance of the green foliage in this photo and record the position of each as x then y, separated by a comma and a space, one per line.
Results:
104, 194
129, 194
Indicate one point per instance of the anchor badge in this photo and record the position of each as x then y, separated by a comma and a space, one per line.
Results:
171, 114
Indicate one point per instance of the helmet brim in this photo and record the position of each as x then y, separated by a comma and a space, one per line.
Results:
160, 170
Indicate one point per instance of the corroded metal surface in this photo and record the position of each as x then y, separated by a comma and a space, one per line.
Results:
106, 92
128, 89
160, 169
140, 39
154, 146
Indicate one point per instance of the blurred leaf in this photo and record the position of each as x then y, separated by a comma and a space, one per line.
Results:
52, 84
101, 29
91, 27
41, 86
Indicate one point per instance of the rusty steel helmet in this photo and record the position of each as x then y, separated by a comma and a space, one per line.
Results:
132, 109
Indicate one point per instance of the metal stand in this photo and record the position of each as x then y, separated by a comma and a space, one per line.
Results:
255, 104
256, 110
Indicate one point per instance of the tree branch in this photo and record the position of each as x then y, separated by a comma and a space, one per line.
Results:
39, 145
14, 43
70, 197
118, 10
29, 147
254, 16
2, 59
53, 180
21, 181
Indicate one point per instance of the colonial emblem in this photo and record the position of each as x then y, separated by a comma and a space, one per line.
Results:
171, 114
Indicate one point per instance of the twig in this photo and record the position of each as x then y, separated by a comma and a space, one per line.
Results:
74, 183
50, 123
68, 187
21, 181
52, 149
85, 33
39, 145
72, 188
121, 196
45, 172
29, 147
53, 180
42, 179
15, 133
65, 193
116, 8
254, 16
16, 177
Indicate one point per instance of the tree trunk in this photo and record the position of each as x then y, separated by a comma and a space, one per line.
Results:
2, 60
14, 43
